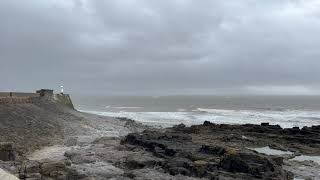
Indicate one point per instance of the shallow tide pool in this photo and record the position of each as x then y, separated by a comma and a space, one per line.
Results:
268, 151
315, 159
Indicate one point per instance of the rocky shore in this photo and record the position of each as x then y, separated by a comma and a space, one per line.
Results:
50, 141
214, 151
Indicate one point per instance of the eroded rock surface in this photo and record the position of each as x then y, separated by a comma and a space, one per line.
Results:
7, 151
215, 151
179, 155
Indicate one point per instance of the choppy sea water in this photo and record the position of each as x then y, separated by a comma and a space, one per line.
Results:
287, 111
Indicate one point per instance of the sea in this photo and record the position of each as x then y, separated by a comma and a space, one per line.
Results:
166, 111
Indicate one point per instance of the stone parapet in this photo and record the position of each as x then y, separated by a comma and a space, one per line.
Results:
18, 100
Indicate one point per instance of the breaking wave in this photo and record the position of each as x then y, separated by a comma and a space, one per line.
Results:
286, 119
122, 107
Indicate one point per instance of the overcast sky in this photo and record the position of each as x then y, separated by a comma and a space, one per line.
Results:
161, 46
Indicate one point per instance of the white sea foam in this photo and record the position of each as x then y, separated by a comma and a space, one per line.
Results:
315, 159
122, 107
285, 119
181, 110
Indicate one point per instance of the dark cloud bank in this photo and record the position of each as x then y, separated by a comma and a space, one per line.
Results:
161, 46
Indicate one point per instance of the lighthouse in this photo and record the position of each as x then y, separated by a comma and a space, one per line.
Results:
61, 89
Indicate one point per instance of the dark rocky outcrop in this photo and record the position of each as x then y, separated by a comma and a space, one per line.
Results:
220, 151
38, 170
306, 140
181, 155
132, 125
7, 152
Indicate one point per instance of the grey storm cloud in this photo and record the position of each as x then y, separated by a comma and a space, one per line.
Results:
160, 46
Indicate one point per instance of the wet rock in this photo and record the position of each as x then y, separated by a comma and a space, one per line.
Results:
292, 131
201, 167
98, 169
214, 150
78, 157
275, 127
178, 166
139, 161
106, 140
54, 169
154, 143
154, 174
253, 164
179, 126
33, 176
207, 123
181, 154
30, 170
132, 124
179, 170
73, 141
7, 151
32, 167
278, 160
